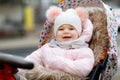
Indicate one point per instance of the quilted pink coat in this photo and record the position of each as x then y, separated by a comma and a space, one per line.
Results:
77, 61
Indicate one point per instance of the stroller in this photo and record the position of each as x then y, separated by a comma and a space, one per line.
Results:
103, 42
10, 63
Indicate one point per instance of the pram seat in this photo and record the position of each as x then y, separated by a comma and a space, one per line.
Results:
101, 42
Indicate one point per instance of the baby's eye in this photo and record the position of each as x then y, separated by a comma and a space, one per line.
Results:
60, 29
71, 28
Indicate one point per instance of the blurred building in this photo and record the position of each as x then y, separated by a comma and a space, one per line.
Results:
11, 18
14, 17
19, 16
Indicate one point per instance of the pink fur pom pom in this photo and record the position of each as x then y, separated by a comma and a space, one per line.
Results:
82, 12
52, 13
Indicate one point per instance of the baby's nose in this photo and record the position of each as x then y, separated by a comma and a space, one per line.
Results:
66, 30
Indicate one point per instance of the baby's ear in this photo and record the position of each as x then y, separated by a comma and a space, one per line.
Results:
82, 13
52, 13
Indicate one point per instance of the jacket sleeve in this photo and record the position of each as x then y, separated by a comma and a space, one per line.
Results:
81, 66
87, 31
35, 56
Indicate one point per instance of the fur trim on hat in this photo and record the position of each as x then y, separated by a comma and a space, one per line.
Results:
52, 13
82, 13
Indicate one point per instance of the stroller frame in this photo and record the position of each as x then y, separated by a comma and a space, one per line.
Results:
9, 64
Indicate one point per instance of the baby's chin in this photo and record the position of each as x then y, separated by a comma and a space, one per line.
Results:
66, 39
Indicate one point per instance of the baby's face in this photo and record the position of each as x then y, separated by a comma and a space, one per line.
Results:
66, 32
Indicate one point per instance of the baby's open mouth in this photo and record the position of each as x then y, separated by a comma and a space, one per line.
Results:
66, 37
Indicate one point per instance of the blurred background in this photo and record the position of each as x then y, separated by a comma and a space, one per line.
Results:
20, 24
22, 20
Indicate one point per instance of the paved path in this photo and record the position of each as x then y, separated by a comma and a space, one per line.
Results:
17, 43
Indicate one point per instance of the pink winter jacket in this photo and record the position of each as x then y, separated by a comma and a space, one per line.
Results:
77, 61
